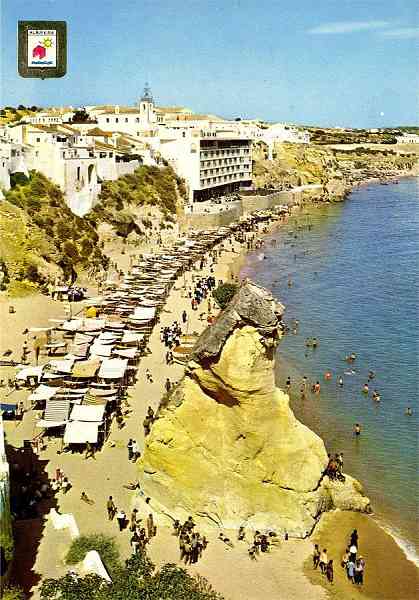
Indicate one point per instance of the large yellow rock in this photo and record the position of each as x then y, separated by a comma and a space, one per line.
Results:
228, 448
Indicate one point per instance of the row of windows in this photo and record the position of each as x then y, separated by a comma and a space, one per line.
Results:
232, 151
223, 161
234, 168
223, 179
123, 120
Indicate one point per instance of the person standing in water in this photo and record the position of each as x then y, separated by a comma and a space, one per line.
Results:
340, 381
357, 429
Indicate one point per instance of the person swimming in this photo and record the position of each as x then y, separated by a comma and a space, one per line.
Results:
371, 375
365, 389
376, 396
340, 381
409, 411
351, 357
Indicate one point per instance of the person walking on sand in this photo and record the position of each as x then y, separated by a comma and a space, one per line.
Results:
350, 570
354, 538
329, 571
121, 517
150, 526
316, 556
130, 449
135, 451
111, 508
323, 561
90, 451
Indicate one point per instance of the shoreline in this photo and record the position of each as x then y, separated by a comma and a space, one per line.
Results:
296, 552
388, 534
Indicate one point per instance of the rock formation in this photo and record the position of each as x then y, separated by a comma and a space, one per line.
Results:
227, 448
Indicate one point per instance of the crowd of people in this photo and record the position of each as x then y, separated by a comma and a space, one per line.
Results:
352, 562
191, 542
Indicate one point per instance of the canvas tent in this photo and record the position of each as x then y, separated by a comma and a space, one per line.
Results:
80, 432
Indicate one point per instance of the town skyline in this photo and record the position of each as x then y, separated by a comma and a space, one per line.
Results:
338, 66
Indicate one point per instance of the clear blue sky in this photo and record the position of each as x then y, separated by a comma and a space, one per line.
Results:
329, 62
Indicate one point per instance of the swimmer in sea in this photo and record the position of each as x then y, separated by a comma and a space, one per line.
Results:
340, 381
376, 396
288, 383
371, 375
409, 411
365, 389
314, 343
328, 375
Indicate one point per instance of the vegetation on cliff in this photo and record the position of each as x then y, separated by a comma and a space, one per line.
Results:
138, 578
41, 237
120, 200
300, 164
224, 293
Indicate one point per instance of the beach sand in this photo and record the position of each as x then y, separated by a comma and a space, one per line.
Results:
388, 573
278, 575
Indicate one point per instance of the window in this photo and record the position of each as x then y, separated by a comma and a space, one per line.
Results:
107, 119
137, 120
126, 119
116, 120
38, 139
78, 173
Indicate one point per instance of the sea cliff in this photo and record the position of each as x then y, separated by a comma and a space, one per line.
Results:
227, 448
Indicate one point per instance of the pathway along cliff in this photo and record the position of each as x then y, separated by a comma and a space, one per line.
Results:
227, 448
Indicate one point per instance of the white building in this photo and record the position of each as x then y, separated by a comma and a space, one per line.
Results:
408, 138
212, 163
72, 160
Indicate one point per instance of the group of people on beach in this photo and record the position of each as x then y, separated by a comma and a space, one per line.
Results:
191, 542
352, 562
200, 290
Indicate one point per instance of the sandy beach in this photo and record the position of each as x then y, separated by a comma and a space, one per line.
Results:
284, 573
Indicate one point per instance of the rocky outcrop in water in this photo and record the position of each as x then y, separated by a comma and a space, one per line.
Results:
228, 448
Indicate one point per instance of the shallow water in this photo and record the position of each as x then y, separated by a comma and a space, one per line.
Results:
355, 286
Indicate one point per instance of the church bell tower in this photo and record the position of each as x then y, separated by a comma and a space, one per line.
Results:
147, 114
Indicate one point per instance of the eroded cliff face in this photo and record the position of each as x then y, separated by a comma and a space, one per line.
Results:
228, 448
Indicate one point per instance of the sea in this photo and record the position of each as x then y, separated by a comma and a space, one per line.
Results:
349, 274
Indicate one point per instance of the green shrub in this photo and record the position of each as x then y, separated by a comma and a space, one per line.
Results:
224, 293
138, 579
13, 593
106, 547
18, 178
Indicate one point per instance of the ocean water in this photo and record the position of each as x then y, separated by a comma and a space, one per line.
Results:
354, 269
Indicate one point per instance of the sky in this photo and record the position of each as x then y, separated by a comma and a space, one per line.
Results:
348, 63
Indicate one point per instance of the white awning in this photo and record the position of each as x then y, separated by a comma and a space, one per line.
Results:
43, 392
62, 366
98, 349
46, 424
30, 372
88, 413
130, 338
144, 313
79, 432
126, 353
113, 368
